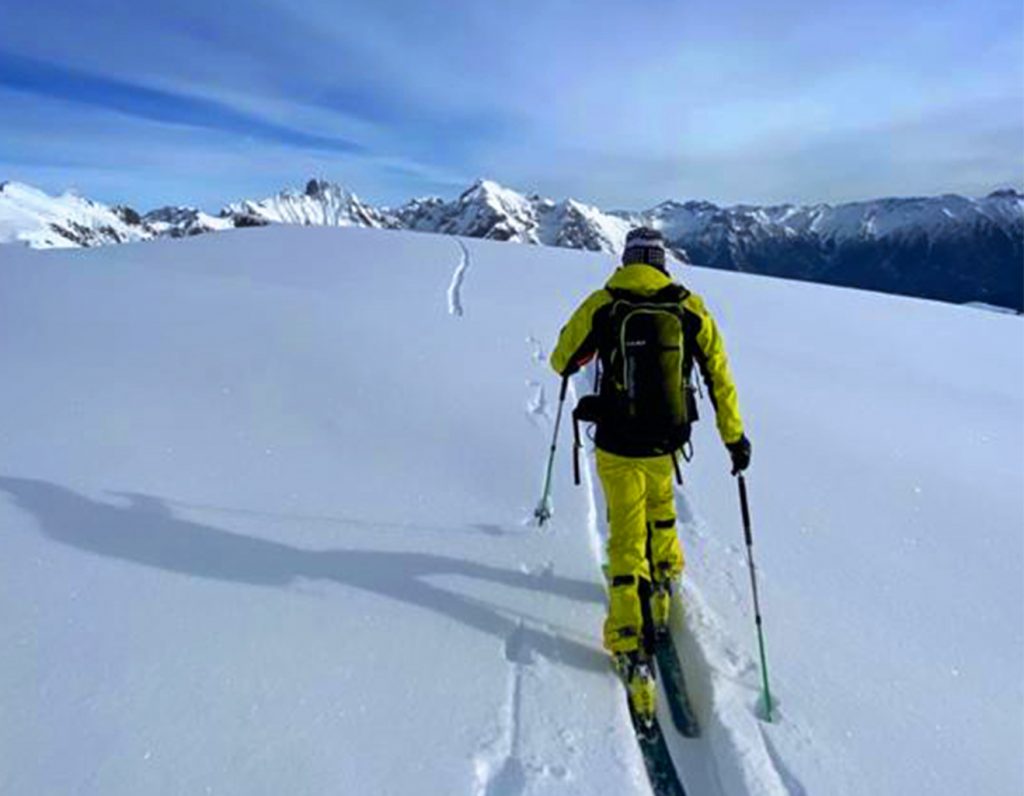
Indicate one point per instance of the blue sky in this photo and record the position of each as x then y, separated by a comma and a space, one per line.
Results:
620, 104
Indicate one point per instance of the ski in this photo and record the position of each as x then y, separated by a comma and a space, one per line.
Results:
670, 673
661, 771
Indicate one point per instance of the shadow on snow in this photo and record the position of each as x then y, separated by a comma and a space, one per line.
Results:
147, 532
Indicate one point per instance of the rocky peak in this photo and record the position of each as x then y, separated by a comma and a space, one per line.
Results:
127, 214
316, 188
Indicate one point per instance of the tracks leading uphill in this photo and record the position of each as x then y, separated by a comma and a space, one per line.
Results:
458, 275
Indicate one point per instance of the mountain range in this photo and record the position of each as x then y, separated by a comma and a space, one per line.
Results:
948, 248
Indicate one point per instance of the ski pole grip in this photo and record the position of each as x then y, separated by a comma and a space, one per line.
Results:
565, 387
745, 508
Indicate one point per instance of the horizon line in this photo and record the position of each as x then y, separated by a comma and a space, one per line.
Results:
301, 187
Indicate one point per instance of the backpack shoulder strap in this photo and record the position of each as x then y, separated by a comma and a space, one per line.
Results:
671, 294
618, 294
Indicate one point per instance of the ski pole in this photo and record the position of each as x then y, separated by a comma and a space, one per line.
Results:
675, 466
543, 510
576, 446
745, 509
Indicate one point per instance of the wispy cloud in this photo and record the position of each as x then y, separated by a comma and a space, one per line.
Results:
118, 158
622, 104
74, 85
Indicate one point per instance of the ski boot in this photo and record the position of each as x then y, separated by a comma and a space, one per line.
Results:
638, 676
661, 603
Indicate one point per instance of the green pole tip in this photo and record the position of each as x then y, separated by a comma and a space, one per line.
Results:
766, 708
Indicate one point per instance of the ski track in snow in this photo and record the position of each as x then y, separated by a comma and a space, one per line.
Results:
266, 435
724, 684
590, 487
538, 355
537, 406
733, 756
501, 766
455, 288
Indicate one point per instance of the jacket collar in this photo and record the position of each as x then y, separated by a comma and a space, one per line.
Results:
639, 278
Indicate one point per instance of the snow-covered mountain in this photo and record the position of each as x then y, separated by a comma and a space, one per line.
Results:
321, 203
949, 247
489, 210
31, 217
181, 222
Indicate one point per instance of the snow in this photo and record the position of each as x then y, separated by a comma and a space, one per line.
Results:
888, 524
487, 202
981, 305
893, 218
946, 247
181, 221
575, 225
32, 217
320, 204
265, 497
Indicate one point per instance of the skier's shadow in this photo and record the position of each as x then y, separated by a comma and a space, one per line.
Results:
147, 532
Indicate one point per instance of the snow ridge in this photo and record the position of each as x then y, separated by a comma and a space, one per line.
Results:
948, 248
182, 222
321, 203
489, 210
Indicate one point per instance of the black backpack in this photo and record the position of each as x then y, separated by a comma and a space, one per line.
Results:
644, 398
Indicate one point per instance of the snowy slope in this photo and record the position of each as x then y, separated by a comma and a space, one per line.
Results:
263, 539
263, 495
33, 218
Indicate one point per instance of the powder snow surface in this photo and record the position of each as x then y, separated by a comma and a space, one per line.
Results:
263, 504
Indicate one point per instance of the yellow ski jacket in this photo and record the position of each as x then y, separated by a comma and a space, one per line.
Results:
577, 342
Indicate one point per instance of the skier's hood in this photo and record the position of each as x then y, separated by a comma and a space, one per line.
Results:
639, 278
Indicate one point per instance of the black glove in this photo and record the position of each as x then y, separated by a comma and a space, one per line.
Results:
740, 453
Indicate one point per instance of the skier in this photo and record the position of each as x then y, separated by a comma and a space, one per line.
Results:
647, 331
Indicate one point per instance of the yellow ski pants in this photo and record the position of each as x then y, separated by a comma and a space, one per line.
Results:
641, 504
